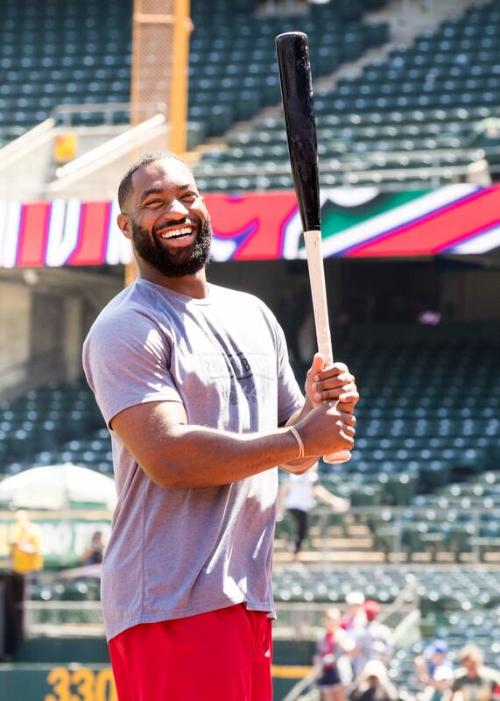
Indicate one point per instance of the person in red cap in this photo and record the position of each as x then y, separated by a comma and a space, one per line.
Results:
374, 641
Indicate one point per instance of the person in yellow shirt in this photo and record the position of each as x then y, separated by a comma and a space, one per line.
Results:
25, 545
25, 562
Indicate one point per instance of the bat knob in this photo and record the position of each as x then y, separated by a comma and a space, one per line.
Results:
338, 458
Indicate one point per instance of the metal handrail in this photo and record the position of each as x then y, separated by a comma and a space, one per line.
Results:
268, 168
16, 149
67, 112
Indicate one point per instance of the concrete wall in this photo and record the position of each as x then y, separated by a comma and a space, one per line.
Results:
44, 316
472, 295
15, 314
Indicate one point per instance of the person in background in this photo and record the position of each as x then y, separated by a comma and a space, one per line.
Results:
299, 495
330, 649
95, 551
25, 563
373, 684
439, 689
355, 614
473, 681
374, 641
25, 546
434, 658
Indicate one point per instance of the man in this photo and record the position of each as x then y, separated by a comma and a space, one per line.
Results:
194, 383
474, 682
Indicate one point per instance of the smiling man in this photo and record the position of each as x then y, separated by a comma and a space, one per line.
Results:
185, 224
194, 383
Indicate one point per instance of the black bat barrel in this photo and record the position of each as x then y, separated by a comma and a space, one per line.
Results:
292, 50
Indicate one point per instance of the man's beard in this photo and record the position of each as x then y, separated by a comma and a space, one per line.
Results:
178, 261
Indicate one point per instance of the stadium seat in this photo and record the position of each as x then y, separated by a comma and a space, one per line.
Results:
436, 90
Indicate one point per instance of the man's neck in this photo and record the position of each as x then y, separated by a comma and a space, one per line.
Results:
195, 285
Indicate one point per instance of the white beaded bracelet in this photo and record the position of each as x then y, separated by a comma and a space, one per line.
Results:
300, 443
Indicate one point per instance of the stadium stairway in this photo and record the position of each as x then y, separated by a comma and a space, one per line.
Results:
456, 524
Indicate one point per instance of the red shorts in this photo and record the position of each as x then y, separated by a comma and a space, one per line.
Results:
224, 655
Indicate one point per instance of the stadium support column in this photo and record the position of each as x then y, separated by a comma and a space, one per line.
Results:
159, 81
160, 48
178, 109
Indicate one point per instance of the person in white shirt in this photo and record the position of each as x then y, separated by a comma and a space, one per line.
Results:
299, 495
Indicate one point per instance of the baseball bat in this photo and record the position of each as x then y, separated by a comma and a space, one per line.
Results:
294, 66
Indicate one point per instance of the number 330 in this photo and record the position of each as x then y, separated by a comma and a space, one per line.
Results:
88, 685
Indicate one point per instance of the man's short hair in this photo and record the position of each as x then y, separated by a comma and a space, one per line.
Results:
125, 186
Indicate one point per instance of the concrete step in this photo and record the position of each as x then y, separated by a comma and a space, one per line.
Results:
316, 557
351, 529
359, 543
327, 544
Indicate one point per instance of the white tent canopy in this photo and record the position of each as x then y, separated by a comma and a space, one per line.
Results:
58, 487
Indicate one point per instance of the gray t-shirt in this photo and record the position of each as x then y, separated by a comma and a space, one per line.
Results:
180, 552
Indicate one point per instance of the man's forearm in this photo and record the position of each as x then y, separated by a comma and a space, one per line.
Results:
174, 453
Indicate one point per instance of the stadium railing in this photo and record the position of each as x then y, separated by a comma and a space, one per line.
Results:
77, 114
26, 155
412, 533
16, 148
332, 173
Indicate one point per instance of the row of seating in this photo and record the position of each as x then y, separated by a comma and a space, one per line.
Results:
80, 53
422, 427
420, 87
54, 52
37, 425
458, 606
475, 626
448, 589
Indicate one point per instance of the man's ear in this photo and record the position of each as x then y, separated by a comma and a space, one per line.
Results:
124, 225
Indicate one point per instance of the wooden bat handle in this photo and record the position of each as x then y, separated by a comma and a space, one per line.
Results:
320, 308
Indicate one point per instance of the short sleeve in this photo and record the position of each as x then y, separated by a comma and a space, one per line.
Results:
290, 398
126, 362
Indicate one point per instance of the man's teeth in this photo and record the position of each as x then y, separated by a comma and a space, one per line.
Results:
177, 232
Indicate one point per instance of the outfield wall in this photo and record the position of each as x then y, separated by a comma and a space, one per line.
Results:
91, 679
